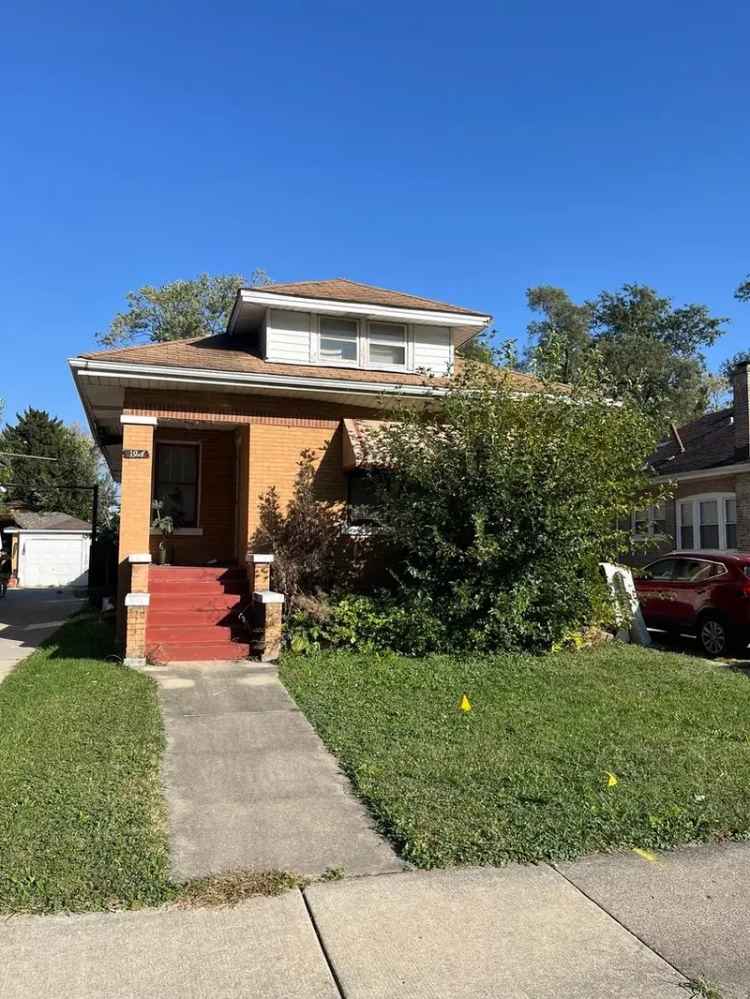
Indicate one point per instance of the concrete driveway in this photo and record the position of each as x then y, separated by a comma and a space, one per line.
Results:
27, 617
249, 783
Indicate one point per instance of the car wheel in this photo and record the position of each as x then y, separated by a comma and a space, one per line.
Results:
713, 636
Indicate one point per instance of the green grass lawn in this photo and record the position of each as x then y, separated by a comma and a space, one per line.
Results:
82, 821
525, 774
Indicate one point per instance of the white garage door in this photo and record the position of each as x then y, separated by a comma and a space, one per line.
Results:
53, 559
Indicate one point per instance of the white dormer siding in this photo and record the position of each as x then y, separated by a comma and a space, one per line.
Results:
433, 349
288, 336
293, 337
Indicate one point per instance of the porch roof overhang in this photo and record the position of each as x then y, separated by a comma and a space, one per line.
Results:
101, 385
354, 443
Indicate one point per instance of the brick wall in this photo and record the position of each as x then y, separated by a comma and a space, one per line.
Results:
743, 512
235, 408
716, 484
275, 453
135, 632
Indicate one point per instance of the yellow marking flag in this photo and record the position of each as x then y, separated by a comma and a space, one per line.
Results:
465, 703
611, 779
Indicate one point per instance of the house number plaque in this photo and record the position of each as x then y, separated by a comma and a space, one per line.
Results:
135, 452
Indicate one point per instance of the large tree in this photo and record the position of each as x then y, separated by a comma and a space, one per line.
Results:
648, 350
178, 310
742, 294
49, 485
561, 336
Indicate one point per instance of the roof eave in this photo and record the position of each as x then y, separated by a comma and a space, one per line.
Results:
212, 377
298, 303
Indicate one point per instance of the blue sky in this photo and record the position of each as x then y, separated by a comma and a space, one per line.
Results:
464, 152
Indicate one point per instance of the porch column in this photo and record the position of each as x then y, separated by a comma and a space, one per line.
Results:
268, 610
135, 528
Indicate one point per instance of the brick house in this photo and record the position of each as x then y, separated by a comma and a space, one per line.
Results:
708, 462
207, 425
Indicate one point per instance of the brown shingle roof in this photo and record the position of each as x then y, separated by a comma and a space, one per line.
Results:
343, 290
239, 353
31, 520
708, 441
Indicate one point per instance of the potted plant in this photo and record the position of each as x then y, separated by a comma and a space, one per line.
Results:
164, 524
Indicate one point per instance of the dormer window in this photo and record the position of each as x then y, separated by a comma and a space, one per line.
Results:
338, 340
387, 345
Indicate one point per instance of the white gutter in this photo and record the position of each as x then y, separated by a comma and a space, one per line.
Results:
200, 376
705, 473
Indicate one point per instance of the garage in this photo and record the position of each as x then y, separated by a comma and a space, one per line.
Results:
48, 550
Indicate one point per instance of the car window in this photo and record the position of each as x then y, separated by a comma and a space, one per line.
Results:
663, 569
693, 570
746, 570
688, 570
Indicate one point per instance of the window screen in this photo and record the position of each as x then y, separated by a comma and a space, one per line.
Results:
338, 339
388, 344
709, 516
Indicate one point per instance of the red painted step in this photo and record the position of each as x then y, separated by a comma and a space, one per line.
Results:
157, 585
167, 652
197, 601
162, 615
198, 571
187, 633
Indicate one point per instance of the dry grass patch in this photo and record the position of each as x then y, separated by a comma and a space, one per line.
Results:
228, 890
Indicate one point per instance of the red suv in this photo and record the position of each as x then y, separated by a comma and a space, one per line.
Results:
703, 593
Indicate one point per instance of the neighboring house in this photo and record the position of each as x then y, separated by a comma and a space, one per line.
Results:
47, 549
708, 461
208, 425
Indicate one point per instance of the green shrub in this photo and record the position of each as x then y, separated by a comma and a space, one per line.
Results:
501, 504
308, 539
379, 623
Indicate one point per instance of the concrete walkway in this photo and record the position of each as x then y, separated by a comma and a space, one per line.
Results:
248, 782
518, 932
27, 618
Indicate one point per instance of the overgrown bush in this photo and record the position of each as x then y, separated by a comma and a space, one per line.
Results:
379, 622
312, 552
502, 502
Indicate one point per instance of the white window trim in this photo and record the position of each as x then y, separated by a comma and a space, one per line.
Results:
336, 362
371, 337
364, 336
651, 518
695, 501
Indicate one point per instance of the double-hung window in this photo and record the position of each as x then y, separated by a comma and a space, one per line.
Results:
339, 340
707, 522
387, 345
650, 522
176, 482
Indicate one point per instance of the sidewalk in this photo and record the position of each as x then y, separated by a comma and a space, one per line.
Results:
520, 932
248, 782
